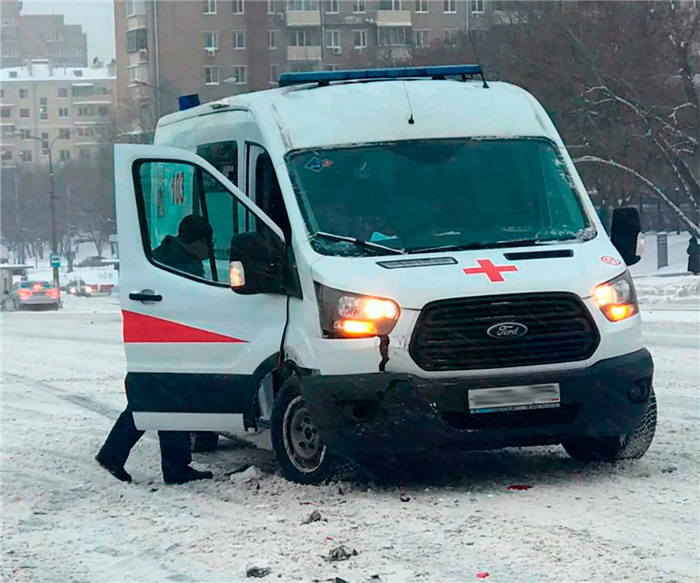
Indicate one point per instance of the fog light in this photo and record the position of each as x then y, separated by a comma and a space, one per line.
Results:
639, 392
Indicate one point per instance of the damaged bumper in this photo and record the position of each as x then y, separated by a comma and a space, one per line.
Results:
379, 414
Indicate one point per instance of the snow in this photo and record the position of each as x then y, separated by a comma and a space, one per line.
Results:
65, 519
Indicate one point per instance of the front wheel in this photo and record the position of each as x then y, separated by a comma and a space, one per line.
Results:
302, 456
612, 449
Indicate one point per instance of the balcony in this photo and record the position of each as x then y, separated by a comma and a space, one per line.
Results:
304, 53
303, 18
394, 18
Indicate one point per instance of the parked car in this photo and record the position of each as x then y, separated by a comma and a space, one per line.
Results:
78, 287
35, 293
93, 261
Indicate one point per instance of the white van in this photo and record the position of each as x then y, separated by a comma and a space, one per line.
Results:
415, 264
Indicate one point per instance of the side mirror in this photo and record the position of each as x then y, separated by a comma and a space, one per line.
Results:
256, 263
625, 234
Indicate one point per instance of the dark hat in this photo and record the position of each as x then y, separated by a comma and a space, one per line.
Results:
193, 228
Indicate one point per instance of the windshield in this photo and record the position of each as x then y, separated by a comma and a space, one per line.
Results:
437, 194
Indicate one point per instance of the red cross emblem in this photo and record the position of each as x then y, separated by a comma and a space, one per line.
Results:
493, 272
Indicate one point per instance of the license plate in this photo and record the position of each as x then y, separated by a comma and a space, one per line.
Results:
501, 399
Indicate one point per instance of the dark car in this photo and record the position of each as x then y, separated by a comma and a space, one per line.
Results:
35, 294
78, 287
93, 261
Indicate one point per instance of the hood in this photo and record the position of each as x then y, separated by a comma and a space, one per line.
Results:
415, 280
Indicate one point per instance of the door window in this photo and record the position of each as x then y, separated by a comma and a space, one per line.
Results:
188, 219
265, 190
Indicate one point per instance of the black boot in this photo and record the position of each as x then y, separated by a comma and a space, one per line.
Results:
116, 470
186, 474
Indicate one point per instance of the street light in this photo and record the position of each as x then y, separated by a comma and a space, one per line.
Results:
52, 196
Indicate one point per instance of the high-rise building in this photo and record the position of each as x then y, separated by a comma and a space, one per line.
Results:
69, 108
218, 48
39, 36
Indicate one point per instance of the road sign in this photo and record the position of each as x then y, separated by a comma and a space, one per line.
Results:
55, 260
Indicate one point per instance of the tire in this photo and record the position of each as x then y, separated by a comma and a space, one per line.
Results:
612, 449
204, 441
302, 456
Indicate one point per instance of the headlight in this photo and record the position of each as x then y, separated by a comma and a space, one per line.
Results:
617, 298
88, 289
349, 315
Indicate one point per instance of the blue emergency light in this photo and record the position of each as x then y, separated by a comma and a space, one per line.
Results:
188, 101
327, 77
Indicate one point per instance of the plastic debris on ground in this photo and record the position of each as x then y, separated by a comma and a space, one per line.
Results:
341, 553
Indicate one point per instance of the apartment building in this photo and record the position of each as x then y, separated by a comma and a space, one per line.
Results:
218, 48
71, 108
40, 36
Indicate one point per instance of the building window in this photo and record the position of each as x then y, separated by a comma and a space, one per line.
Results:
333, 40
44, 143
359, 7
332, 67
43, 108
270, 6
421, 6
86, 111
13, 74
272, 39
5, 112
359, 39
389, 4
477, 6
211, 75
302, 5
449, 6
63, 92
451, 36
136, 40
135, 7
211, 40
237, 7
8, 52
422, 38
25, 156
274, 74
7, 155
394, 36
24, 112
24, 134
54, 37
23, 93
83, 90
238, 39
240, 75
300, 38
103, 110
62, 112
63, 134
65, 155
332, 7
209, 7
84, 154
8, 131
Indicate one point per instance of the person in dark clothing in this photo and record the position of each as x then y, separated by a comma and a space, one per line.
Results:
185, 253
694, 256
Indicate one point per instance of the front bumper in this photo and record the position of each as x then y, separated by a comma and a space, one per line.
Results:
376, 414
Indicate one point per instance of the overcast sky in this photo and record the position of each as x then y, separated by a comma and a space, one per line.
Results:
96, 17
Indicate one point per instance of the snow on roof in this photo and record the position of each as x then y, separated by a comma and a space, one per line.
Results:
42, 71
350, 113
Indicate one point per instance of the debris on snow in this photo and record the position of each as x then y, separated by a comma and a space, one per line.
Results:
341, 553
315, 516
520, 487
669, 469
249, 478
258, 572
482, 574
404, 497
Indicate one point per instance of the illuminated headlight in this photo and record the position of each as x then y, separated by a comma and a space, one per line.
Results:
617, 298
88, 289
72, 290
349, 315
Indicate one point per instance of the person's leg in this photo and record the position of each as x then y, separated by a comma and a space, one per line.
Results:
176, 458
115, 451
205, 441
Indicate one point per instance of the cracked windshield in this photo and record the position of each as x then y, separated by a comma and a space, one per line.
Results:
349, 291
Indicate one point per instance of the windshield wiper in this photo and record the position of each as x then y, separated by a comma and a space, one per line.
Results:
493, 245
357, 242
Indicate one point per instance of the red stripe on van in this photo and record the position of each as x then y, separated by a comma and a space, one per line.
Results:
139, 328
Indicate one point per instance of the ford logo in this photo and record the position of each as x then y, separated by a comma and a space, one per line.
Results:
507, 330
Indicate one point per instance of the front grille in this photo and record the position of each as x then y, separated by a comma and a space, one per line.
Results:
451, 334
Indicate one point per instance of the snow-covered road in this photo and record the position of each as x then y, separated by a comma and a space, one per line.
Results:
65, 519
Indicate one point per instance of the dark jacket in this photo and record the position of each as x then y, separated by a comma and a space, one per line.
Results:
173, 253
694, 256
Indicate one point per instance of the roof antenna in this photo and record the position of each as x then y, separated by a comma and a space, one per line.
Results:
476, 57
411, 121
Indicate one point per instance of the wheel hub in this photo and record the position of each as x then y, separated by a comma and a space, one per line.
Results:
302, 441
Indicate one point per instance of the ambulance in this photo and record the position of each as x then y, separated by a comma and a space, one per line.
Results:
402, 261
